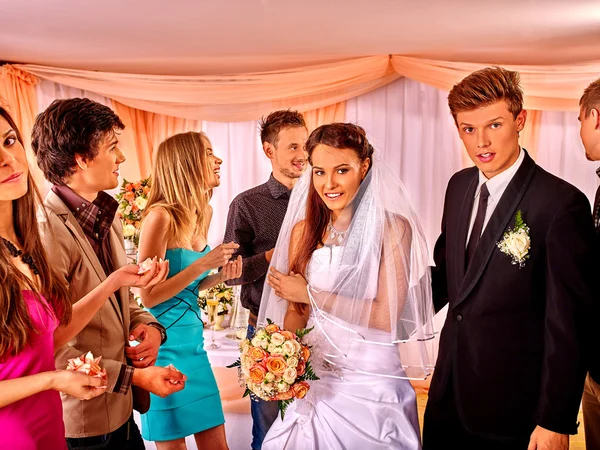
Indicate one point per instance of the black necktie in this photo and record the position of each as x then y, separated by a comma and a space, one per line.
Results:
478, 225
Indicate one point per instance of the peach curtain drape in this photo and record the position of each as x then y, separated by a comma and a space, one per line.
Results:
242, 97
232, 98
154, 107
145, 130
17, 96
546, 87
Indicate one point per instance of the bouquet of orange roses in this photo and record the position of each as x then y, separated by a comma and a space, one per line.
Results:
275, 365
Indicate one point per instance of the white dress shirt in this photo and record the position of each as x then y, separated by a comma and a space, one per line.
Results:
496, 187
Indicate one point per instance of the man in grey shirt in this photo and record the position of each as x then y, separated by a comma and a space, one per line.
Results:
255, 217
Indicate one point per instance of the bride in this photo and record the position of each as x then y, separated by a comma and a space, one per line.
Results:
352, 262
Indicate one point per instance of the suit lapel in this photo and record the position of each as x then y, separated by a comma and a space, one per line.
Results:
463, 228
500, 220
60, 209
119, 258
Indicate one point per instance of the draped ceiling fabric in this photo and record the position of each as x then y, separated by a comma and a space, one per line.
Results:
231, 98
249, 96
154, 107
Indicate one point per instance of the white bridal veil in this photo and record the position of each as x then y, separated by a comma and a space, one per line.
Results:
375, 285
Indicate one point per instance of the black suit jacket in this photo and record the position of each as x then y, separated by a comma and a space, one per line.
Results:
511, 347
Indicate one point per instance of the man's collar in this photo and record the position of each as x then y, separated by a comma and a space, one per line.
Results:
497, 184
70, 198
76, 203
276, 188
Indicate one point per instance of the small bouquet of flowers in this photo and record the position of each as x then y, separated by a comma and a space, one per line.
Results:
87, 364
133, 199
275, 365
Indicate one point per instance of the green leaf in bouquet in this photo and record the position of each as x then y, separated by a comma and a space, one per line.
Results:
301, 332
283, 404
247, 392
269, 321
309, 374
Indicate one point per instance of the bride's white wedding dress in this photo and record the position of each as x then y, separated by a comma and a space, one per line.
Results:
348, 408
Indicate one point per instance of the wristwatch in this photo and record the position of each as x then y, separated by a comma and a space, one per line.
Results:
163, 332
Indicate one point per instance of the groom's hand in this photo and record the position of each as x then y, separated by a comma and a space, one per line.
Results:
542, 439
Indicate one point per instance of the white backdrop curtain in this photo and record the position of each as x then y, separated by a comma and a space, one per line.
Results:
410, 125
561, 152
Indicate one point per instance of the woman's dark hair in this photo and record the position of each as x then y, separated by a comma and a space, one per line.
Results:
74, 126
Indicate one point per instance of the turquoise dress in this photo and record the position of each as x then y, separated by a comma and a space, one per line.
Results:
198, 406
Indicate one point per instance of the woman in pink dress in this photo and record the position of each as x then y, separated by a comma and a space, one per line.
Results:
35, 312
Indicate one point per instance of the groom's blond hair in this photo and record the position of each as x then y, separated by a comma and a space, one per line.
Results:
485, 87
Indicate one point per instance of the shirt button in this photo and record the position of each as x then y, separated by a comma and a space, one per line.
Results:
77, 209
97, 235
459, 318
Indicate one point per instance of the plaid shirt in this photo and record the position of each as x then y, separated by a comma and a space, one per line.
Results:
95, 219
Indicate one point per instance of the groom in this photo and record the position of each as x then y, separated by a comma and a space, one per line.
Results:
515, 263
589, 117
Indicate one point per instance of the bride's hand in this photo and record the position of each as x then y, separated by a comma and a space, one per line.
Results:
290, 287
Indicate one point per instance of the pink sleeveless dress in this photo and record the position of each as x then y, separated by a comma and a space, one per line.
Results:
35, 422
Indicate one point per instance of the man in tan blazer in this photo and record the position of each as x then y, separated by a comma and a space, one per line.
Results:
76, 145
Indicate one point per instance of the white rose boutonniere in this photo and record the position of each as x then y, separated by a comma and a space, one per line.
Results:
516, 242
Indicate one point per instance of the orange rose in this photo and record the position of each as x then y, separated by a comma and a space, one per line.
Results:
272, 328
284, 395
257, 373
137, 185
287, 335
146, 189
257, 354
300, 389
129, 187
129, 196
301, 368
276, 365
305, 353
134, 208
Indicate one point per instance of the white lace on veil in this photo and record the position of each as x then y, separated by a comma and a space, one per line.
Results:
375, 286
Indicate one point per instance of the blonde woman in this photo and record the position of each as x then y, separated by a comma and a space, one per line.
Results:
175, 227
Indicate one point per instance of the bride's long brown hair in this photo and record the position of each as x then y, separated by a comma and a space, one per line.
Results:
16, 326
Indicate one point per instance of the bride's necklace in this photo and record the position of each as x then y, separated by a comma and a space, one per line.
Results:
26, 258
335, 235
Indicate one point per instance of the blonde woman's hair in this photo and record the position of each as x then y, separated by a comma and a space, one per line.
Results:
179, 185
